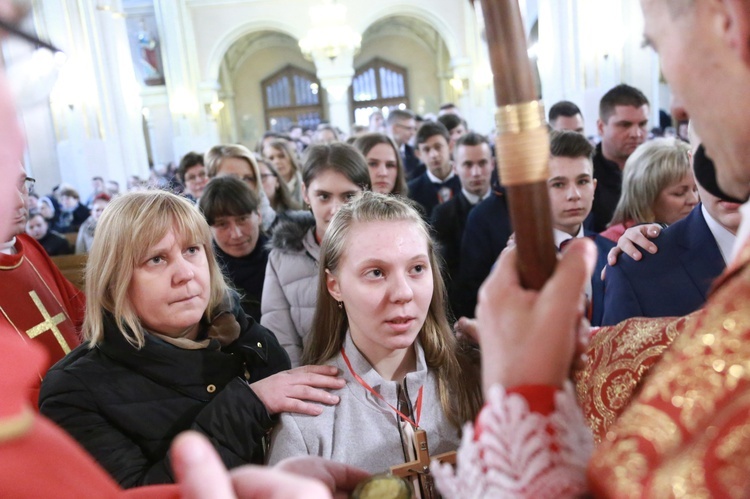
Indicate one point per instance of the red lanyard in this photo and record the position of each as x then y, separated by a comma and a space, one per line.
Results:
362, 382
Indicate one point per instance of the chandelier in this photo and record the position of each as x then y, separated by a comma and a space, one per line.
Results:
329, 35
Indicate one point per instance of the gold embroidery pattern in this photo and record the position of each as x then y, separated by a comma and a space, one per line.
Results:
619, 391
732, 450
619, 357
628, 468
701, 385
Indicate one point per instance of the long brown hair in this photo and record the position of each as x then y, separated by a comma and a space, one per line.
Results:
457, 374
282, 200
367, 141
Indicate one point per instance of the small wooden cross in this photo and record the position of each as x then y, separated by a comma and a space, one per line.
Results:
420, 467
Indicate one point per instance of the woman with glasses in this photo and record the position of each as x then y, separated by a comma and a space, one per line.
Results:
237, 160
276, 189
193, 175
283, 156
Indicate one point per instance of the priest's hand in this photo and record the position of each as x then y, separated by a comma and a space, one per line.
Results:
299, 390
340, 479
530, 337
466, 329
200, 474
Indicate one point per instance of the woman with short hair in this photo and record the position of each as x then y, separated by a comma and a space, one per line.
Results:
657, 187
238, 161
168, 349
231, 210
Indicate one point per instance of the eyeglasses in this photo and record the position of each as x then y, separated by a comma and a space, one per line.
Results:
29, 184
31, 74
406, 127
267, 175
250, 180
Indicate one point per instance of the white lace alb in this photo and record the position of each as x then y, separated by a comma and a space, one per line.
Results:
520, 453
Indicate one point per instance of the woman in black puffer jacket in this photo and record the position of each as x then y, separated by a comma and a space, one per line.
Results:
169, 349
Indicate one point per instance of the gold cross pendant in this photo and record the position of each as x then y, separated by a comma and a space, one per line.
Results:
48, 324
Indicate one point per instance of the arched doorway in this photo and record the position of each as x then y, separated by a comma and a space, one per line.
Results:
246, 65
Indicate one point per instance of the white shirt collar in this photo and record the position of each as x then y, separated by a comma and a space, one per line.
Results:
473, 198
725, 240
744, 231
9, 248
436, 180
562, 236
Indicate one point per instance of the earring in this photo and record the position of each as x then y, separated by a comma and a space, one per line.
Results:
340, 304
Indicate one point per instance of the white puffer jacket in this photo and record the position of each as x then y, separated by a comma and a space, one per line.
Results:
291, 283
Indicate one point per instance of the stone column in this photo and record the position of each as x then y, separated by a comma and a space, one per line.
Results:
335, 75
95, 107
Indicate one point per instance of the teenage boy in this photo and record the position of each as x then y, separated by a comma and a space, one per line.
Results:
571, 187
438, 183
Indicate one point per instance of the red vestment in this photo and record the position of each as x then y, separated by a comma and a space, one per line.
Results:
687, 431
38, 303
37, 458
682, 430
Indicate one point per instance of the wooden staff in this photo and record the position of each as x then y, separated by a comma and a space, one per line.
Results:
522, 142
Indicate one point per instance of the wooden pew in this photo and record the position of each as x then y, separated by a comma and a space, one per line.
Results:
72, 237
72, 267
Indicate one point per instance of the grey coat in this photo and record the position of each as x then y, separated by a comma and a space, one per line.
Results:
361, 430
291, 284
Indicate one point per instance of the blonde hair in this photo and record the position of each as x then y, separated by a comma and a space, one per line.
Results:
653, 167
217, 153
128, 228
458, 377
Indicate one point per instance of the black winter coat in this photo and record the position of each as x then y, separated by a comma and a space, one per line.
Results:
124, 405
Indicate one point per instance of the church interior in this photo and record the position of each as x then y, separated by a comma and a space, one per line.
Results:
146, 81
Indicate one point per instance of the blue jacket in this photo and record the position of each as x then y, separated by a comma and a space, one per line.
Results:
425, 192
603, 245
672, 282
413, 168
486, 233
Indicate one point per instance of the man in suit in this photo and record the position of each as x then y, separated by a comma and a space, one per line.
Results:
571, 189
401, 126
473, 165
676, 279
438, 183
486, 234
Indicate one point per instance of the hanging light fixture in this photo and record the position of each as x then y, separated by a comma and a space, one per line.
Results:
329, 35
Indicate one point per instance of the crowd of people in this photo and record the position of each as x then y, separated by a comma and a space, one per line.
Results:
300, 302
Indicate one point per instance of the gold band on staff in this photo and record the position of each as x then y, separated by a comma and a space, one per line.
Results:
522, 143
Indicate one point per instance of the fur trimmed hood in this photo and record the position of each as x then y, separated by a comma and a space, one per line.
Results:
289, 233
